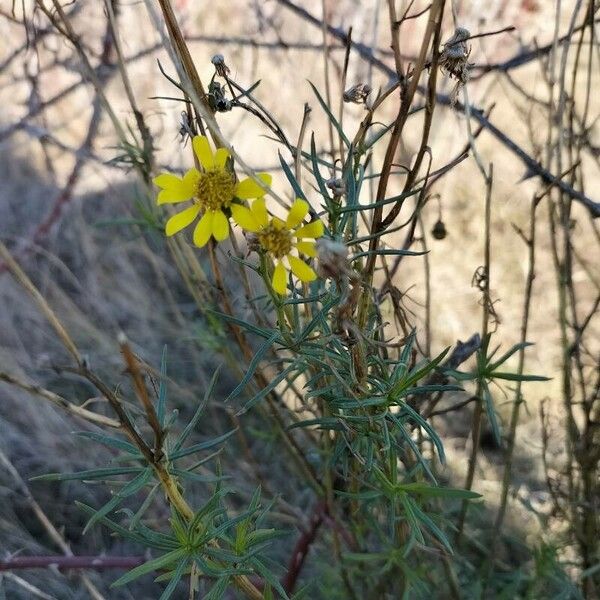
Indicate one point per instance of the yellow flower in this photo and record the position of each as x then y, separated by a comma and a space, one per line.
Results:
279, 238
212, 191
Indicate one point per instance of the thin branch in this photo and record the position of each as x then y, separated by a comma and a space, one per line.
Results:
302, 547
95, 563
74, 409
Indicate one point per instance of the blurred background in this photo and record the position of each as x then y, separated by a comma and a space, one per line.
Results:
70, 214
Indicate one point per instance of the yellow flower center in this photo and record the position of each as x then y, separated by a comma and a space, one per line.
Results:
275, 239
214, 189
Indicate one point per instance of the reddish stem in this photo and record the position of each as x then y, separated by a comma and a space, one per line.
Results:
302, 547
97, 563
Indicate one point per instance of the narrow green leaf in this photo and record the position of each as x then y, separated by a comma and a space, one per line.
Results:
268, 575
386, 253
491, 412
88, 475
366, 495
333, 120
267, 389
218, 590
135, 485
202, 445
392, 200
252, 366
143, 535
317, 172
175, 578
332, 423
438, 492
190, 426
521, 346
411, 516
162, 562
433, 528
291, 178
377, 136
433, 436
517, 377
162, 389
262, 332
144, 507
111, 442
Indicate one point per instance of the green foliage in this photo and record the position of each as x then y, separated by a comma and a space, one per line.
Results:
487, 371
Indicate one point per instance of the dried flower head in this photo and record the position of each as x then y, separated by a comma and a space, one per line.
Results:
212, 190
333, 258
185, 127
357, 93
218, 60
278, 238
217, 98
454, 59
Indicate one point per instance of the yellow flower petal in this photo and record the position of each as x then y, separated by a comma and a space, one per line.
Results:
221, 156
203, 151
248, 188
172, 197
191, 177
301, 270
259, 210
203, 229
277, 222
297, 213
220, 226
181, 220
174, 189
166, 180
312, 230
279, 281
244, 218
308, 248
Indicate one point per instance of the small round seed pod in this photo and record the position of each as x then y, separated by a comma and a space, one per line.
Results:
439, 230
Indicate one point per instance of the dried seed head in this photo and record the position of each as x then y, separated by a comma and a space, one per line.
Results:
357, 93
333, 258
456, 46
439, 230
337, 186
454, 60
185, 127
216, 97
218, 60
